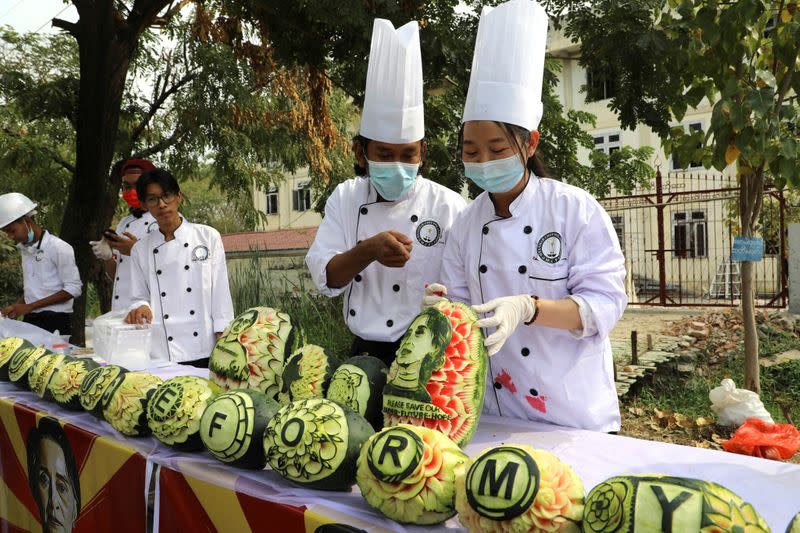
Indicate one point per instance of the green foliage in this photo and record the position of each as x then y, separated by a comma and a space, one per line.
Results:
740, 56
10, 273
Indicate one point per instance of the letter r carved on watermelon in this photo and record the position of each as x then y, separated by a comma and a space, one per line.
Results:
437, 379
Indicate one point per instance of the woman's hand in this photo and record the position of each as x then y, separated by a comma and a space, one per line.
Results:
509, 313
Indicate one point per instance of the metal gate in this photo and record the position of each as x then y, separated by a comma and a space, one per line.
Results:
677, 241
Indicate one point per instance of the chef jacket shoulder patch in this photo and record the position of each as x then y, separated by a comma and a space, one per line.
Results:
549, 247
200, 253
428, 233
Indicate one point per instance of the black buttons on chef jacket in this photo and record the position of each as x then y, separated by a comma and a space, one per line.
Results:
155, 250
186, 245
352, 312
525, 352
486, 230
483, 269
188, 289
364, 210
191, 312
128, 225
497, 385
389, 323
163, 294
522, 269
414, 218
120, 260
534, 392
528, 230
396, 287
195, 334
186, 267
358, 277
158, 272
169, 339
116, 297
117, 278
166, 317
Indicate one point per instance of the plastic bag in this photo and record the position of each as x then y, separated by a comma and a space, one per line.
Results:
733, 406
764, 439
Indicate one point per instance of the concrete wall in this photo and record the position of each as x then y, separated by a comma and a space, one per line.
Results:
794, 268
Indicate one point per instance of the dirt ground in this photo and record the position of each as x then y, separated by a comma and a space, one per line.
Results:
653, 320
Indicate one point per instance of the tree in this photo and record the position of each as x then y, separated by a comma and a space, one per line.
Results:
742, 56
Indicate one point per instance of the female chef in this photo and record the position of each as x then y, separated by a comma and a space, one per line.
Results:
539, 259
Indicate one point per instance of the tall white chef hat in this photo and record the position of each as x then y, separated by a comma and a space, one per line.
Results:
393, 111
508, 64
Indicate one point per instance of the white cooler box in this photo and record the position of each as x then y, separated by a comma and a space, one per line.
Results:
127, 345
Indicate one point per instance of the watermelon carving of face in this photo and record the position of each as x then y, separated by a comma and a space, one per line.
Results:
252, 350
437, 380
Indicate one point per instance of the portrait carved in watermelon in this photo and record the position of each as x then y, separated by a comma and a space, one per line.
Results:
437, 379
252, 351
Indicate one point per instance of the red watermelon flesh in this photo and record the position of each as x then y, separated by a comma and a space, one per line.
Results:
457, 387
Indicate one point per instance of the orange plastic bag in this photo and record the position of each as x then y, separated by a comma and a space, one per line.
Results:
763, 439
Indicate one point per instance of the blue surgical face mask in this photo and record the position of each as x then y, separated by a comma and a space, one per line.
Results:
497, 176
391, 179
30, 234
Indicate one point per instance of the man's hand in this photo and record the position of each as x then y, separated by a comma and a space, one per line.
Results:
17, 310
391, 248
123, 244
509, 313
101, 249
140, 315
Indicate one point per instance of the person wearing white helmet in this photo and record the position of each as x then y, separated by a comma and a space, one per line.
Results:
50, 275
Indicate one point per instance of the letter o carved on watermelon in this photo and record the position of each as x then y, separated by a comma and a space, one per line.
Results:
437, 379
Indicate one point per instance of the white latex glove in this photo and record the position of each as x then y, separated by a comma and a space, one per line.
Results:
434, 293
101, 249
509, 313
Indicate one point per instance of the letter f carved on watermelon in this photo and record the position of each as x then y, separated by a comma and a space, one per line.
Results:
437, 380
252, 350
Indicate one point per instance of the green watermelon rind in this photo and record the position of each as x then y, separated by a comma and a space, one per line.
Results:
21, 362
375, 372
8, 347
94, 385
253, 457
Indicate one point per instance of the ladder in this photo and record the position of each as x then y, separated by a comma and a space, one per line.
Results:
727, 281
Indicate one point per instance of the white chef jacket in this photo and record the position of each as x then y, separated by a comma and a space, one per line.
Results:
48, 266
185, 283
381, 302
558, 243
138, 227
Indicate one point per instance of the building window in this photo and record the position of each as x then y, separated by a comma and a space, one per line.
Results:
618, 221
599, 85
301, 197
689, 236
608, 144
676, 163
272, 201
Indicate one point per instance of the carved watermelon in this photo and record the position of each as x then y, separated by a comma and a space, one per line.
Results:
252, 351
454, 378
408, 473
95, 384
22, 361
306, 374
794, 525
519, 488
664, 503
125, 402
8, 347
232, 427
175, 409
316, 443
42, 370
358, 384
65, 385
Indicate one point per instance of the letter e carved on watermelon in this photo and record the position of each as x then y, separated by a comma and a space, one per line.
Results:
437, 379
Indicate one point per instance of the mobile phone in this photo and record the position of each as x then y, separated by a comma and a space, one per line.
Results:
110, 234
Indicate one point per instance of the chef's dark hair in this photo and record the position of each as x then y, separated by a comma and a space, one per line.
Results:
49, 428
159, 176
363, 142
519, 138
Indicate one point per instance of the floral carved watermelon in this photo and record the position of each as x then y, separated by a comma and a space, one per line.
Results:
408, 473
454, 390
513, 488
665, 503
8, 347
252, 351
306, 374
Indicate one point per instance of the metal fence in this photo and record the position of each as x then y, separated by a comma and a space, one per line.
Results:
677, 238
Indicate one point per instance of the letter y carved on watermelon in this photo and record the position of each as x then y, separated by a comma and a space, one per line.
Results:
437, 379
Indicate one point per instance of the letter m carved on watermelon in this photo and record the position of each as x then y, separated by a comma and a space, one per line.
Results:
437, 379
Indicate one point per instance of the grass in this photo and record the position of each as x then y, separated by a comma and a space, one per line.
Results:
780, 384
257, 284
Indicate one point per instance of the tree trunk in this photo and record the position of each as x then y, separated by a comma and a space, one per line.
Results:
105, 55
751, 189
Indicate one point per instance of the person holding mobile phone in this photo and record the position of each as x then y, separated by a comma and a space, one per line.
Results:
114, 246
